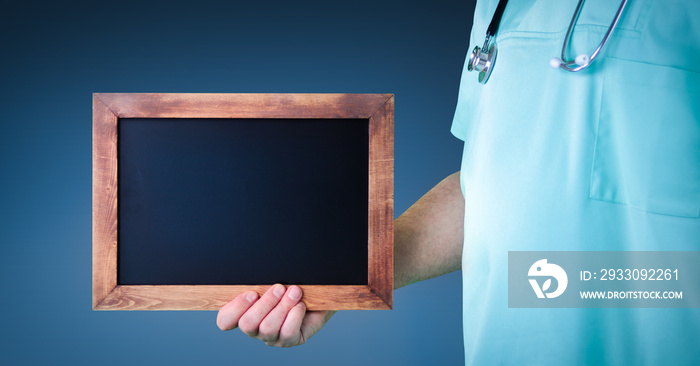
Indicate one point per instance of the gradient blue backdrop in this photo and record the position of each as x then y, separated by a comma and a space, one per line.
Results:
53, 55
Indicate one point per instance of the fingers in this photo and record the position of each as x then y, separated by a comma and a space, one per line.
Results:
278, 318
290, 333
269, 330
230, 314
251, 321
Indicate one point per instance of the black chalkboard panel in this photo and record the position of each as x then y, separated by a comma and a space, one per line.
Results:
198, 198
261, 195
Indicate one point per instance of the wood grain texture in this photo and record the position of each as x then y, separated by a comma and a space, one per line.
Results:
381, 202
108, 108
104, 201
244, 105
204, 297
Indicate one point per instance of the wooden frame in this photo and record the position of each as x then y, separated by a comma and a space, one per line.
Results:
109, 108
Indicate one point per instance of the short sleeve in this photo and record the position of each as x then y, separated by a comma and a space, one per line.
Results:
469, 87
459, 123
467, 104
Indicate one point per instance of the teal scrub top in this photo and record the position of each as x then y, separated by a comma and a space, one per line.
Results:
606, 159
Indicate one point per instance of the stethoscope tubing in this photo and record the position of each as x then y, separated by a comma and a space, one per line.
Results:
567, 64
483, 59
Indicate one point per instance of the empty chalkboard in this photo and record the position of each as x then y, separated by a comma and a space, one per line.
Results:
200, 197
258, 194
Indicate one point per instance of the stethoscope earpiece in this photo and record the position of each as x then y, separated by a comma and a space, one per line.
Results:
582, 59
555, 62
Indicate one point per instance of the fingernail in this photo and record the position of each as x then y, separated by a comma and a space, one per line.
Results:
278, 290
294, 293
250, 296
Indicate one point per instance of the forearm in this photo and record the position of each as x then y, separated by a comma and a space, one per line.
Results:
428, 236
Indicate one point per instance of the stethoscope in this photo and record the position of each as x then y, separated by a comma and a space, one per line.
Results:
483, 59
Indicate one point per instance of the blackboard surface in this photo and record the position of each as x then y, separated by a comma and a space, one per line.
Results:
200, 197
242, 201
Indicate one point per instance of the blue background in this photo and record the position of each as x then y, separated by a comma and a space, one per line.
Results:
53, 55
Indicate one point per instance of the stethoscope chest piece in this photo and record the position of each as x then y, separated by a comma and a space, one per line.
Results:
483, 61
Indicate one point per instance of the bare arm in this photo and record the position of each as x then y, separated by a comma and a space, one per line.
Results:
428, 236
427, 243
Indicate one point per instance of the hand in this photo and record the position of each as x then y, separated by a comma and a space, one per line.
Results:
278, 318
